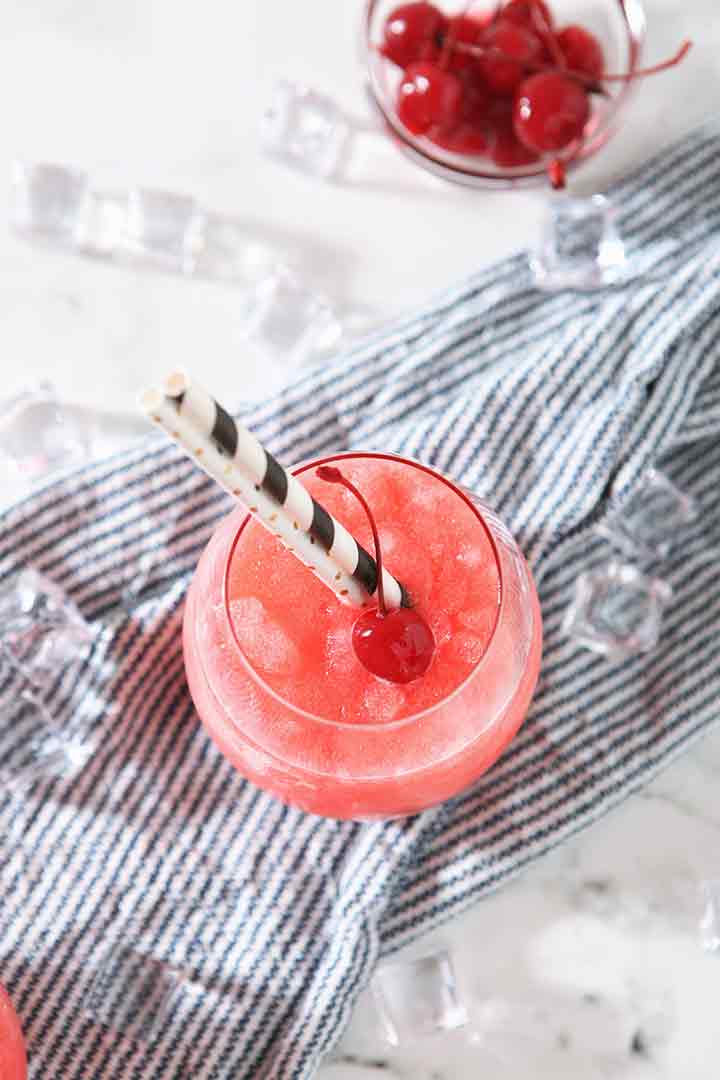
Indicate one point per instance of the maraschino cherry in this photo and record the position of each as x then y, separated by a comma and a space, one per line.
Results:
551, 111
504, 147
463, 29
413, 32
395, 645
581, 51
553, 107
510, 48
429, 98
526, 12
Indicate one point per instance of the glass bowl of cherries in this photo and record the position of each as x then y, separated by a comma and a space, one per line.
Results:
511, 92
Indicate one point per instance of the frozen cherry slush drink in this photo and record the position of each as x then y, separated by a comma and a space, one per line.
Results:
279, 684
12, 1048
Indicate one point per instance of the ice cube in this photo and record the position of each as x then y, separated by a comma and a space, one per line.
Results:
41, 628
265, 643
418, 997
471, 555
148, 575
38, 436
394, 541
408, 561
132, 992
425, 497
341, 658
653, 521
580, 246
306, 129
617, 611
381, 703
226, 251
47, 201
441, 626
164, 228
289, 319
436, 550
480, 620
452, 588
32, 744
103, 227
466, 647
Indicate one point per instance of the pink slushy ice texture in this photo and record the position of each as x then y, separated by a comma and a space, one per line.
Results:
13, 1065
272, 670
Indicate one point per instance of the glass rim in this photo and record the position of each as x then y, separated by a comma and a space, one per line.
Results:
412, 717
441, 163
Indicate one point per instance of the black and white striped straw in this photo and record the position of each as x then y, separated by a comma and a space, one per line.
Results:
232, 456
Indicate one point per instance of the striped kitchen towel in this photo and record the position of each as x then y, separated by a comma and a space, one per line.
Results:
160, 918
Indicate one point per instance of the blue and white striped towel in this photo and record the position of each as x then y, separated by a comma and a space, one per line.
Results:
550, 405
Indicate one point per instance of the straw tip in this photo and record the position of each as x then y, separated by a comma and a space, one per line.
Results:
176, 383
150, 400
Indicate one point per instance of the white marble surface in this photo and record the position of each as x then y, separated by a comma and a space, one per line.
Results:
589, 966
591, 956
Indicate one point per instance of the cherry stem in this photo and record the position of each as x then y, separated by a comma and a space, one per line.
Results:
447, 50
547, 35
450, 41
332, 475
591, 83
663, 66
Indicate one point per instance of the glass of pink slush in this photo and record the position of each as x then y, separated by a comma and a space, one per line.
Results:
13, 1064
277, 683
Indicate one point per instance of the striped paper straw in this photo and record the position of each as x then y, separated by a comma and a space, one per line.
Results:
232, 456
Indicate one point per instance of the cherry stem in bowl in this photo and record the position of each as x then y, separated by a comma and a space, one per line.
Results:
450, 42
592, 84
641, 72
479, 51
547, 35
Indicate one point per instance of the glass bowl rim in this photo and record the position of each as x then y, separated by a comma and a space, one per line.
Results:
412, 717
635, 20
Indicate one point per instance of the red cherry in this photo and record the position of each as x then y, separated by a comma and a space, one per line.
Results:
397, 646
550, 112
536, 15
469, 136
505, 149
476, 100
413, 32
484, 18
582, 51
466, 138
429, 98
463, 30
521, 12
504, 69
